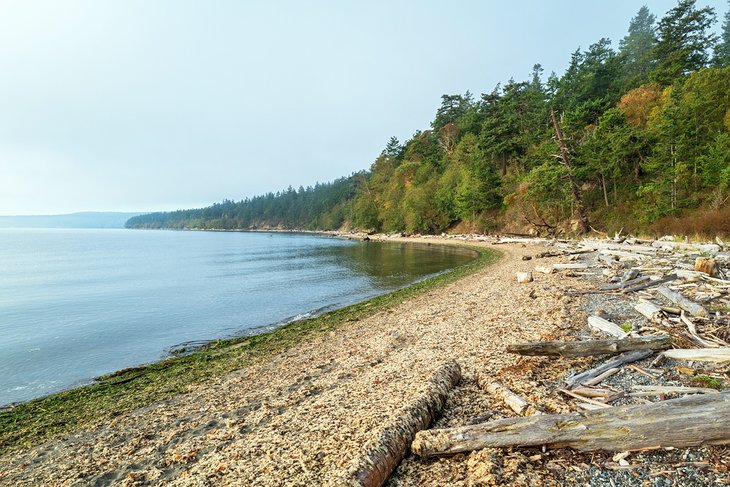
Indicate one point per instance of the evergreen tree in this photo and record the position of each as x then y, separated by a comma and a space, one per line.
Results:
683, 41
722, 50
636, 49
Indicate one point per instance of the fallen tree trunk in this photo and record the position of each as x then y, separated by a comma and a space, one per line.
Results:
378, 460
624, 358
684, 303
660, 424
591, 347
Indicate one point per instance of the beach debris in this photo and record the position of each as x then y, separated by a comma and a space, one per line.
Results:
684, 303
515, 402
717, 355
562, 267
524, 277
619, 360
645, 285
606, 326
381, 456
544, 269
585, 348
693, 420
649, 310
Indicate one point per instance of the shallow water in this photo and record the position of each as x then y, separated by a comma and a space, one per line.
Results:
78, 303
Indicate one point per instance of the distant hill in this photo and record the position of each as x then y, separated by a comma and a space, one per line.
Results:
87, 219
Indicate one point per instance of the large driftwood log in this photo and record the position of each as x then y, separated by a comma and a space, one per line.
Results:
624, 358
689, 421
385, 452
591, 347
684, 303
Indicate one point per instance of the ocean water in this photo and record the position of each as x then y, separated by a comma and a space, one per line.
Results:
78, 303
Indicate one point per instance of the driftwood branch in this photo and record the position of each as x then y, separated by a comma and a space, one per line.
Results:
383, 455
606, 326
717, 355
646, 285
660, 424
684, 303
591, 347
624, 358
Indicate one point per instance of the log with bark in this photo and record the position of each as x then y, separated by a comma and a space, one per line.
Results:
587, 348
685, 422
385, 452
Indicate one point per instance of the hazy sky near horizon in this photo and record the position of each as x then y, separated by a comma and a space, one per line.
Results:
137, 105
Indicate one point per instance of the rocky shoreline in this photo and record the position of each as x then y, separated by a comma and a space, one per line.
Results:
303, 416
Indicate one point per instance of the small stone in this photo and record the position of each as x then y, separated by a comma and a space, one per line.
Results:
523, 277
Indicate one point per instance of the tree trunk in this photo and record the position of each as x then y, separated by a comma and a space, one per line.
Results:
585, 225
685, 422
385, 452
591, 347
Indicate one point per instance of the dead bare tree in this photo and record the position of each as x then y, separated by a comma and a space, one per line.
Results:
585, 225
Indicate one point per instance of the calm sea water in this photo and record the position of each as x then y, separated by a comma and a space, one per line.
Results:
76, 304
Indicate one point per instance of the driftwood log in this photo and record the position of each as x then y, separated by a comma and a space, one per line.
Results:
688, 421
591, 347
717, 355
648, 309
612, 363
606, 326
684, 303
379, 458
646, 285
516, 403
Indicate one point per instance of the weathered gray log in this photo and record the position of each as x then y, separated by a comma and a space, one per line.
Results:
684, 303
625, 284
685, 422
645, 285
379, 458
562, 267
624, 358
586, 348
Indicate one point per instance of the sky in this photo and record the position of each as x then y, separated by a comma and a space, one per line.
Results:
138, 105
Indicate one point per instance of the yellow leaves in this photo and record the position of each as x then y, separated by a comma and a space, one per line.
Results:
727, 120
640, 104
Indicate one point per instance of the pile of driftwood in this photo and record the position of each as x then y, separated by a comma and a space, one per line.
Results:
680, 294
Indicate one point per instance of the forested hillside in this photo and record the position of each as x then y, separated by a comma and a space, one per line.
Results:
633, 136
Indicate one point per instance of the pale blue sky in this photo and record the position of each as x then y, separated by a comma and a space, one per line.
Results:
153, 104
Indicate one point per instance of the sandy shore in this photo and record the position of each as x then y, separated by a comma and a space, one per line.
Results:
301, 417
